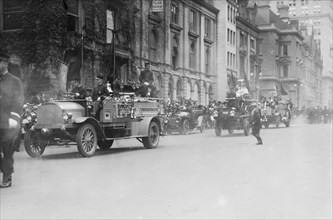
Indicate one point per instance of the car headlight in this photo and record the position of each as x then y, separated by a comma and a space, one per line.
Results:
232, 113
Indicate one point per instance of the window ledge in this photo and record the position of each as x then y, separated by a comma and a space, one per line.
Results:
193, 34
176, 27
208, 40
155, 18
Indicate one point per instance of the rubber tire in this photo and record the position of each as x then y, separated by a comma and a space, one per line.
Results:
231, 130
153, 138
34, 146
287, 124
88, 147
104, 144
277, 122
218, 131
185, 127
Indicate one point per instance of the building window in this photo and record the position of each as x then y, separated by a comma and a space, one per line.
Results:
285, 50
193, 21
153, 46
109, 26
72, 15
12, 14
228, 13
285, 71
234, 38
252, 43
208, 28
228, 35
207, 59
174, 13
234, 60
228, 57
192, 54
174, 55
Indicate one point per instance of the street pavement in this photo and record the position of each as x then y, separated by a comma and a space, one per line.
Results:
195, 176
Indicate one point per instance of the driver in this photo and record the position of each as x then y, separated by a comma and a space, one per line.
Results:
99, 94
78, 90
146, 78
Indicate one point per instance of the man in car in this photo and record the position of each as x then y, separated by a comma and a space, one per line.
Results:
100, 92
78, 90
146, 79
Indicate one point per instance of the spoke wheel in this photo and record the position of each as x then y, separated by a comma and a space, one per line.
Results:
86, 140
153, 138
34, 145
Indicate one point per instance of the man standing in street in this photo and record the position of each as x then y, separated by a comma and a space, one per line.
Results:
11, 107
256, 123
146, 79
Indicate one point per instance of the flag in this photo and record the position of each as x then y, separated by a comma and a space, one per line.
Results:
247, 84
283, 91
231, 81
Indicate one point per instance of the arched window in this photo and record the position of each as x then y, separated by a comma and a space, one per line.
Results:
188, 89
174, 53
170, 89
192, 55
210, 92
204, 95
153, 46
179, 89
195, 96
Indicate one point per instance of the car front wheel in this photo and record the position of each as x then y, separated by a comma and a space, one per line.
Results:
86, 140
34, 145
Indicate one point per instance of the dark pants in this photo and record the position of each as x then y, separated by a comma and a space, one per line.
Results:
7, 141
256, 134
98, 108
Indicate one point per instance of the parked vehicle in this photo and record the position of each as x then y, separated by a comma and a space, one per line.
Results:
232, 117
285, 114
65, 122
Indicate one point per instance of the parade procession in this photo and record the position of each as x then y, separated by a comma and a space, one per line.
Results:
166, 109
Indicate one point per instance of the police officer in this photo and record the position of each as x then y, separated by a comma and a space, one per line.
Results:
99, 94
146, 79
11, 107
255, 121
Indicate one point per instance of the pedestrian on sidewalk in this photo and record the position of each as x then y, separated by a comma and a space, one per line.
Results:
11, 107
255, 121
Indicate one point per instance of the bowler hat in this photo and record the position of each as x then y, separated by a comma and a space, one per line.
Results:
100, 77
4, 55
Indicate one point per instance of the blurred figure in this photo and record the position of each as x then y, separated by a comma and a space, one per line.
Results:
100, 92
255, 121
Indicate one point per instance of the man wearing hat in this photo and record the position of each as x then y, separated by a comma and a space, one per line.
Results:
78, 90
146, 79
255, 121
99, 94
11, 107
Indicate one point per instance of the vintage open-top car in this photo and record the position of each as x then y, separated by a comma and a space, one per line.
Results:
233, 115
72, 121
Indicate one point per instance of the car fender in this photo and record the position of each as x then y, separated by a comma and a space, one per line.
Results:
144, 125
92, 121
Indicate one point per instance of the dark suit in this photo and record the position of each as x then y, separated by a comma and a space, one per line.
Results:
11, 107
100, 91
256, 124
147, 76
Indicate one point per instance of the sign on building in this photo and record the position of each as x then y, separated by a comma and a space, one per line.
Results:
157, 6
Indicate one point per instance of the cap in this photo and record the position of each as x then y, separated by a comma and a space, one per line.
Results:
100, 77
4, 55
